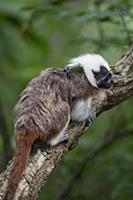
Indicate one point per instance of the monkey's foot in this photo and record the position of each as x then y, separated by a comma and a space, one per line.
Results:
91, 117
64, 138
61, 138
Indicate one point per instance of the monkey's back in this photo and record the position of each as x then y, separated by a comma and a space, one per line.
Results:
35, 111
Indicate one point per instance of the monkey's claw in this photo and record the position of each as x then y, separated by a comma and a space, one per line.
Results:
90, 119
64, 138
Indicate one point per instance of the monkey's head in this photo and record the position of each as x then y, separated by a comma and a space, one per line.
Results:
96, 69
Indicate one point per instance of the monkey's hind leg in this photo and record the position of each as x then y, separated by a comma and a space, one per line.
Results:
61, 116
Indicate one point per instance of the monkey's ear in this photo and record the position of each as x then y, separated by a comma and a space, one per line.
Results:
73, 68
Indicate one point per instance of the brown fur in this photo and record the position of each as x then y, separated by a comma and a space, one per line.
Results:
42, 112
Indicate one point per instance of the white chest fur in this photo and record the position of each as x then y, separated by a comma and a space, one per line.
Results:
80, 110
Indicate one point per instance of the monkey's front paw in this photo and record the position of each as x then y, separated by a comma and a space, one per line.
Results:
91, 117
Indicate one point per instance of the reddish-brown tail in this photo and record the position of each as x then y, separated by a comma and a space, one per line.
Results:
23, 147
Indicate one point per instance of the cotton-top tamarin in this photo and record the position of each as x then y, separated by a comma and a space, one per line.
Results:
48, 104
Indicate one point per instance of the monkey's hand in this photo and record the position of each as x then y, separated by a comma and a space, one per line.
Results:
72, 68
91, 117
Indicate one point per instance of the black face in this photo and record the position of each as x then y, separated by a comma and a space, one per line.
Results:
103, 78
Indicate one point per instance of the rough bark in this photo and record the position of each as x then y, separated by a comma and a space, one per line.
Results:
43, 163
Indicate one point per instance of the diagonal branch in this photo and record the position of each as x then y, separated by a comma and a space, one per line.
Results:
43, 163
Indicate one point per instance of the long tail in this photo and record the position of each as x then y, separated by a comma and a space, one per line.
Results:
23, 148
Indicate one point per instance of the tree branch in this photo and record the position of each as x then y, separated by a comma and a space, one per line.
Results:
43, 163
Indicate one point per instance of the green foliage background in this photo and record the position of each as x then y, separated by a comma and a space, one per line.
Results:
39, 34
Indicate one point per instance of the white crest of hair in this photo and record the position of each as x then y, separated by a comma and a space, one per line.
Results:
90, 62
